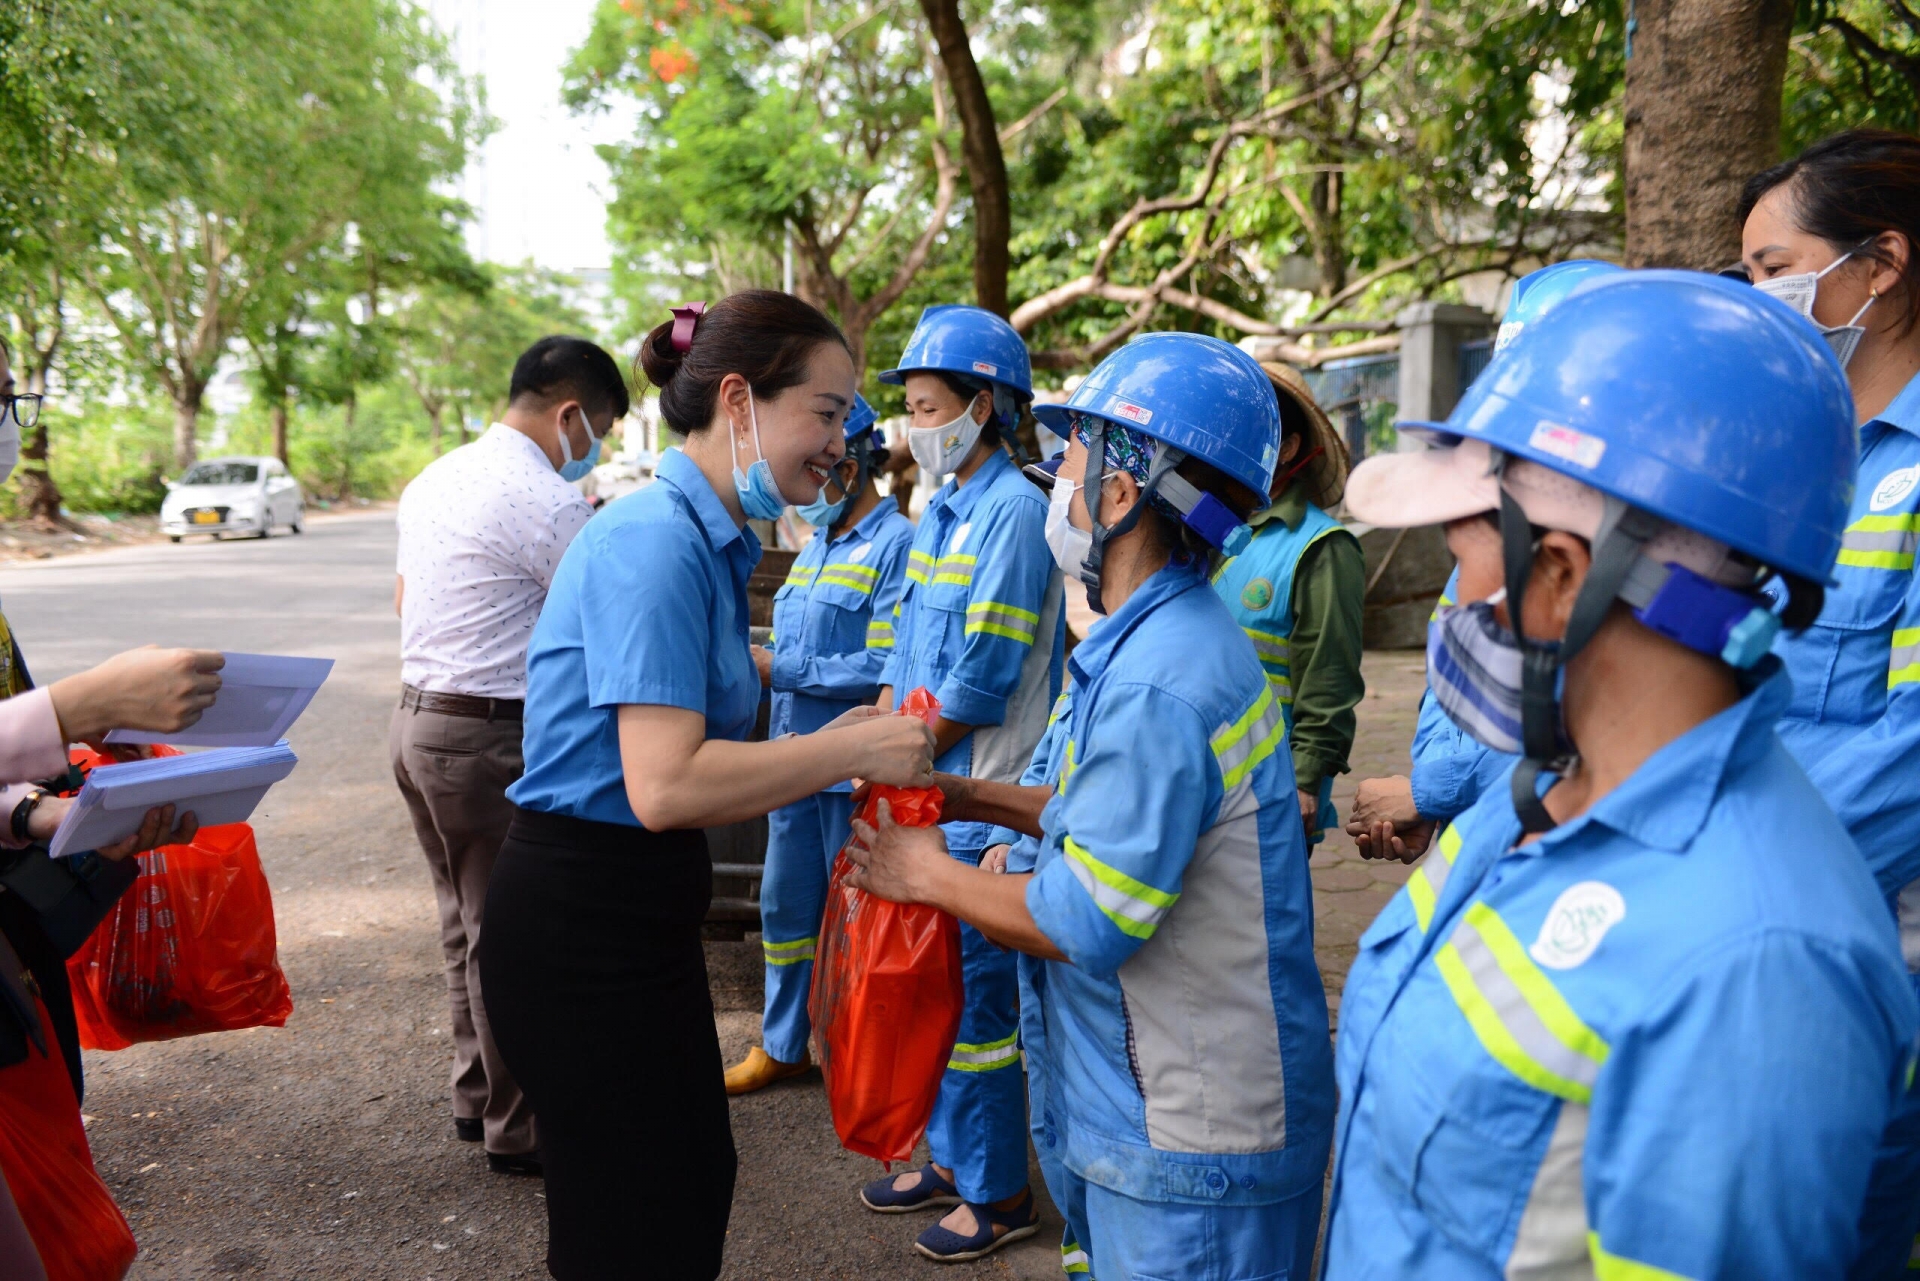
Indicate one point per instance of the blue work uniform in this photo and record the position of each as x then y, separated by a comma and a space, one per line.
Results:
1023, 852
982, 626
1188, 1082
832, 636
1257, 586
1854, 723
1451, 768
1660, 1041
648, 606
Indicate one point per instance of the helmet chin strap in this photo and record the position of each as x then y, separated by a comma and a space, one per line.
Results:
860, 452
1623, 532
1092, 483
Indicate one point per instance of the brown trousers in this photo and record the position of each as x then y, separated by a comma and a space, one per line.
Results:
454, 772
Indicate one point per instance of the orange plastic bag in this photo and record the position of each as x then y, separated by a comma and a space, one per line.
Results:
886, 993
77, 1229
189, 948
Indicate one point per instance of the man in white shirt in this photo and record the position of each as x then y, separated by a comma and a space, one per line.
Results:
481, 532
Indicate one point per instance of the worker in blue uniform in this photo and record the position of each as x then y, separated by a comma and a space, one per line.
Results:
1297, 591
832, 636
1396, 817
982, 625
1636, 1015
1833, 234
1185, 1075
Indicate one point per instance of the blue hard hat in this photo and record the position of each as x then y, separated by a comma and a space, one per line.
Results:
861, 418
1537, 292
1205, 397
1698, 399
970, 342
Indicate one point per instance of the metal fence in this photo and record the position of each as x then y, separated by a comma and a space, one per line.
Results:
1361, 394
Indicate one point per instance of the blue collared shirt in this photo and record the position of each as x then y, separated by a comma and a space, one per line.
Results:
1660, 1041
649, 606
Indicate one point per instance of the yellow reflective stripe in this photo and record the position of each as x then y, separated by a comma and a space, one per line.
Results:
801, 575
789, 953
1067, 767
1875, 560
1271, 646
879, 634
849, 569
1611, 1267
1438, 605
998, 619
1424, 886
1134, 906
1241, 746
986, 1057
1903, 660
1073, 1259
1515, 1010
1059, 707
839, 580
1282, 684
919, 565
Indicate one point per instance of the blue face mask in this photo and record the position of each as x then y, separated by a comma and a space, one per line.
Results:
759, 497
571, 468
822, 514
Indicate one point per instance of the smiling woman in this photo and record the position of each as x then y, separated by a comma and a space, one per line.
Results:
641, 689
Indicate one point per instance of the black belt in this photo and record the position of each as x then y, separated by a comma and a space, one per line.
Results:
480, 709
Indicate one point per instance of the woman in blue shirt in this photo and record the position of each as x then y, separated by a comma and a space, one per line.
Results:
641, 689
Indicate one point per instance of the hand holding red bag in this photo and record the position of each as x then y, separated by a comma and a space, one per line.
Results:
887, 996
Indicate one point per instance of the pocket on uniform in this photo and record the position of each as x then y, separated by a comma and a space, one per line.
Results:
446, 750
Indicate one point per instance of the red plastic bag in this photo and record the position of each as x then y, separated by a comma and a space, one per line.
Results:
77, 1229
189, 948
886, 993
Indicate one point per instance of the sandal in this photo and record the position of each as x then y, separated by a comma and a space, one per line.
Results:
944, 1246
931, 1191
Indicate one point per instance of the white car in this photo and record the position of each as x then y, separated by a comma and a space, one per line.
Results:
233, 496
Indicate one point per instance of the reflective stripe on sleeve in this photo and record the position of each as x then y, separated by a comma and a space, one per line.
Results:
1881, 542
879, 634
1611, 1267
861, 578
1424, 886
919, 567
1067, 766
1516, 1011
1135, 907
1073, 1260
997, 619
1059, 706
955, 570
985, 1058
1903, 660
1241, 746
789, 953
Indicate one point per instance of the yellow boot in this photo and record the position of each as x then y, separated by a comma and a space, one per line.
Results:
759, 1070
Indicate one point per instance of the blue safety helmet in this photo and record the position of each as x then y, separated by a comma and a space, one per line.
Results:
1537, 292
1693, 397
1205, 397
975, 346
1200, 397
861, 418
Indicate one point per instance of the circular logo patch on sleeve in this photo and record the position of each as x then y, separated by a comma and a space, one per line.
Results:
1576, 923
1257, 594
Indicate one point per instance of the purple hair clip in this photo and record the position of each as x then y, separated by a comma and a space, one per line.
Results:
685, 317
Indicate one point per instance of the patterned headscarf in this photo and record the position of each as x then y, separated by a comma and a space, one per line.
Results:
1129, 450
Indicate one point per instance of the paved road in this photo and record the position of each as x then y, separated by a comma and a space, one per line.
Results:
325, 1148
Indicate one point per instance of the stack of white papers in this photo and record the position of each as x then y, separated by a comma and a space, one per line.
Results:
260, 696
220, 786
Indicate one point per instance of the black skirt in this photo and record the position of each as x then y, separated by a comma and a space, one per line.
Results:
597, 989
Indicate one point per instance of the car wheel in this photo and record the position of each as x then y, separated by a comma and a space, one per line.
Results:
173, 538
296, 526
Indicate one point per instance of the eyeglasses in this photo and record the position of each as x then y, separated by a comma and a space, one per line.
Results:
25, 409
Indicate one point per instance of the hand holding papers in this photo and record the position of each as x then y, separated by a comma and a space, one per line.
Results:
220, 786
261, 695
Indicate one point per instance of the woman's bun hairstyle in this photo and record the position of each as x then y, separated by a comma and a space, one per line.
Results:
765, 336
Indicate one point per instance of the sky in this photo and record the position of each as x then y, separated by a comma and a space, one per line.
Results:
537, 188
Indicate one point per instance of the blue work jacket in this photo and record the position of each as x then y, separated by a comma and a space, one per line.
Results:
833, 621
982, 624
1451, 768
1193, 1063
1660, 1041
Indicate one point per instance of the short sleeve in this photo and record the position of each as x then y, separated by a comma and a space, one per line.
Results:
644, 592
1130, 820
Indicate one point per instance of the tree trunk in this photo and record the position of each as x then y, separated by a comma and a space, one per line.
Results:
38, 492
980, 145
186, 426
1702, 116
1329, 236
346, 452
434, 414
280, 428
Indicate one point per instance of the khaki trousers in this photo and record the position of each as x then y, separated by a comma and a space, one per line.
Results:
454, 772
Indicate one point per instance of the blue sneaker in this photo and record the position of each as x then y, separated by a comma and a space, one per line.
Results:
943, 1246
932, 1191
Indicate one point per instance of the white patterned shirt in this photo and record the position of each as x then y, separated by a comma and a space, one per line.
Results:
481, 531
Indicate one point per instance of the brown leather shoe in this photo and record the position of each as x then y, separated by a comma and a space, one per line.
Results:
759, 1070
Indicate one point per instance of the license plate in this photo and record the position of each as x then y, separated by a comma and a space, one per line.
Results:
206, 518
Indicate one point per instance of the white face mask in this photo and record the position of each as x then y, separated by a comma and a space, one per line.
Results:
1069, 546
941, 450
1800, 290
